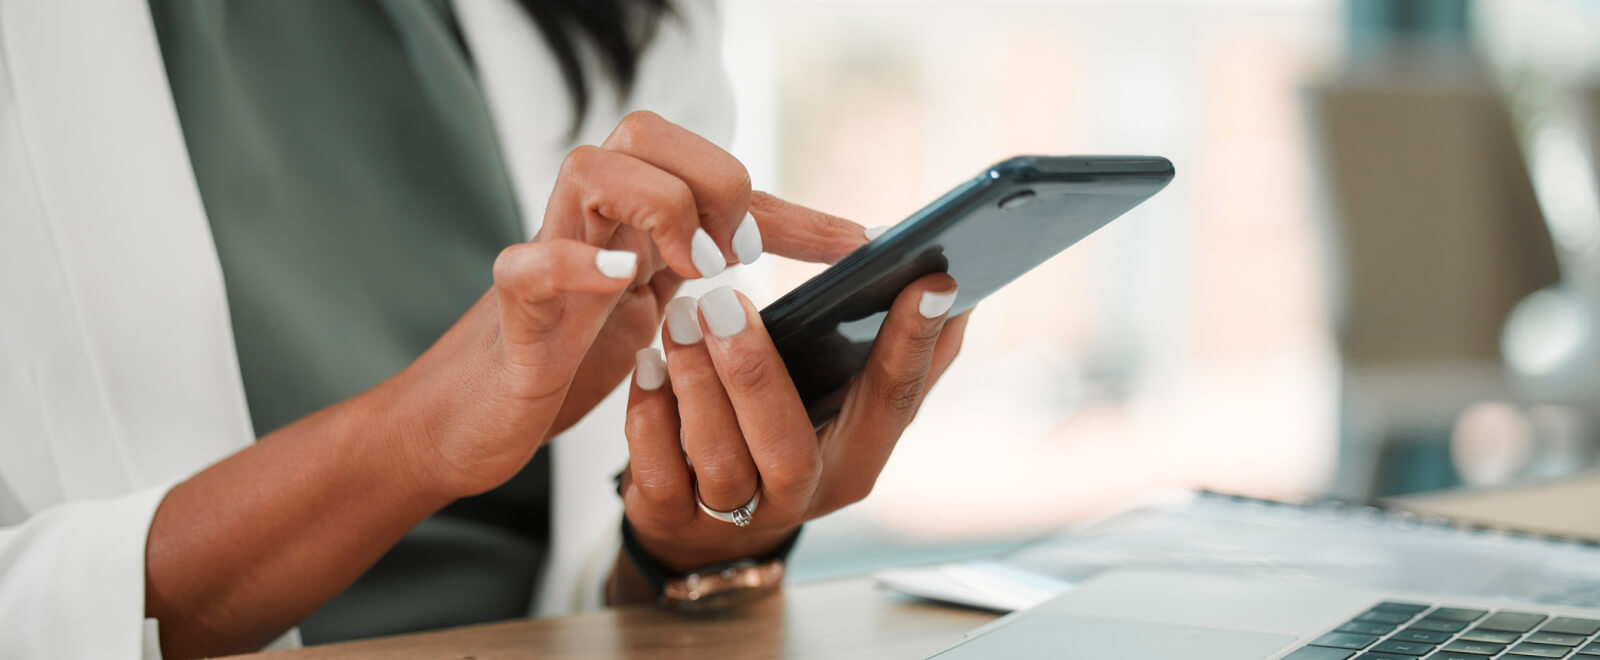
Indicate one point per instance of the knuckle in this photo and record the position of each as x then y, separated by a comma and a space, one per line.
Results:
636, 125
797, 473
653, 494
900, 393
639, 428
581, 159
672, 203
726, 477
734, 182
856, 492
507, 264
749, 373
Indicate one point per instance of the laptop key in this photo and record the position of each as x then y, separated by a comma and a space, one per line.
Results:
1404, 648
1402, 608
1479, 648
1461, 614
1424, 636
1496, 636
1379, 616
1341, 640
1319, 653
1364, 628
1591, 649
1454, 655
1369, 655
1571, 625
1530, 650
1558, 639
1519, 622
1437, 625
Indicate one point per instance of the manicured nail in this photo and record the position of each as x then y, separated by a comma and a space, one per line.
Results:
705, 254
651, 370
747, 240
935, 304
682, 324
874, 232
616, 263
723, 311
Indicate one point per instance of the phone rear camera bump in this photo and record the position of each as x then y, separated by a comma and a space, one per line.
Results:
1016, 200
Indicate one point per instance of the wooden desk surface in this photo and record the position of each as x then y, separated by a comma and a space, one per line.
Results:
850, 618
846, 618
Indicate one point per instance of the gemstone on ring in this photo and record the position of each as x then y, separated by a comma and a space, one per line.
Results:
740, 517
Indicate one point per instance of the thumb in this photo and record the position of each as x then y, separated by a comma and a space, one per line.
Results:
794, 231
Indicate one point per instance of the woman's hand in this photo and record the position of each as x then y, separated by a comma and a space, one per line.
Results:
627, 222
723, 399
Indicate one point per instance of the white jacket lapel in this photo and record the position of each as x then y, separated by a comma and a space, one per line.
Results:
126, 215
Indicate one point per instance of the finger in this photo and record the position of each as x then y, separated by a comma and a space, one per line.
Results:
719, 182
950, 338
722, 467
771, 416
794, 231
529, 277
887, 394
656, 484
597, 189
663, 285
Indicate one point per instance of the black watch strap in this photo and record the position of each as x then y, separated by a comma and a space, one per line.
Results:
656, 574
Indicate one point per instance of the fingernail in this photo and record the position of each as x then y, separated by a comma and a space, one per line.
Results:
705, 254
935, 304
616, 263
747, 240
651, 370
723, 311
874, 232
682, 325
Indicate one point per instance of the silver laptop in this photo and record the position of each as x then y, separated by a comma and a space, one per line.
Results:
1143, 615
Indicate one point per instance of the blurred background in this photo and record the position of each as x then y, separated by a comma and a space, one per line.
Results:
1376, 272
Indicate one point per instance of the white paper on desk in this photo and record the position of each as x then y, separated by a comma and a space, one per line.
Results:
982, 584
1356, 546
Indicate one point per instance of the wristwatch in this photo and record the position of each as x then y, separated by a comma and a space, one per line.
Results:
715, 587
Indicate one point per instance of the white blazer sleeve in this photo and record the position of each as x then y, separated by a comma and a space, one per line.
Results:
72, 579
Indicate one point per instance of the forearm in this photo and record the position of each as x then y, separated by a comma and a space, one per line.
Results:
245, 549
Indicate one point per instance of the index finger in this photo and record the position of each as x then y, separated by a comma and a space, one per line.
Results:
794, 231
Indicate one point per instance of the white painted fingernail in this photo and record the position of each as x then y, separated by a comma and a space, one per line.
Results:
683, 324
934, 304
874, 232
705, 254
651, 370
747, 240
724, 313
616, 263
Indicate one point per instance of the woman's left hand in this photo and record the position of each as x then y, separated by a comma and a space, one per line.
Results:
724, 400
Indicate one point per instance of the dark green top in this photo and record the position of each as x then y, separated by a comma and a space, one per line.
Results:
357, 196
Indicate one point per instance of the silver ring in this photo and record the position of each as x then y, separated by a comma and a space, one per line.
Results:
740, 516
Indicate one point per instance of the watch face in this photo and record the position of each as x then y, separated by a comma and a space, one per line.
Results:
725, 586
723, 600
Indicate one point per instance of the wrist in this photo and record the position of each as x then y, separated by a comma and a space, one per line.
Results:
680, 557
640, 577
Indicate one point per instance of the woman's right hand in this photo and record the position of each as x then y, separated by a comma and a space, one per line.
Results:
626, 223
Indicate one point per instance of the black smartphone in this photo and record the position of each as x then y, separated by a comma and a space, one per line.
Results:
984, 233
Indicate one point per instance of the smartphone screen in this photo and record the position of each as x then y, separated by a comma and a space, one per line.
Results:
985, 233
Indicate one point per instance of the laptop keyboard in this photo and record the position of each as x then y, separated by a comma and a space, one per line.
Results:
1409, 631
